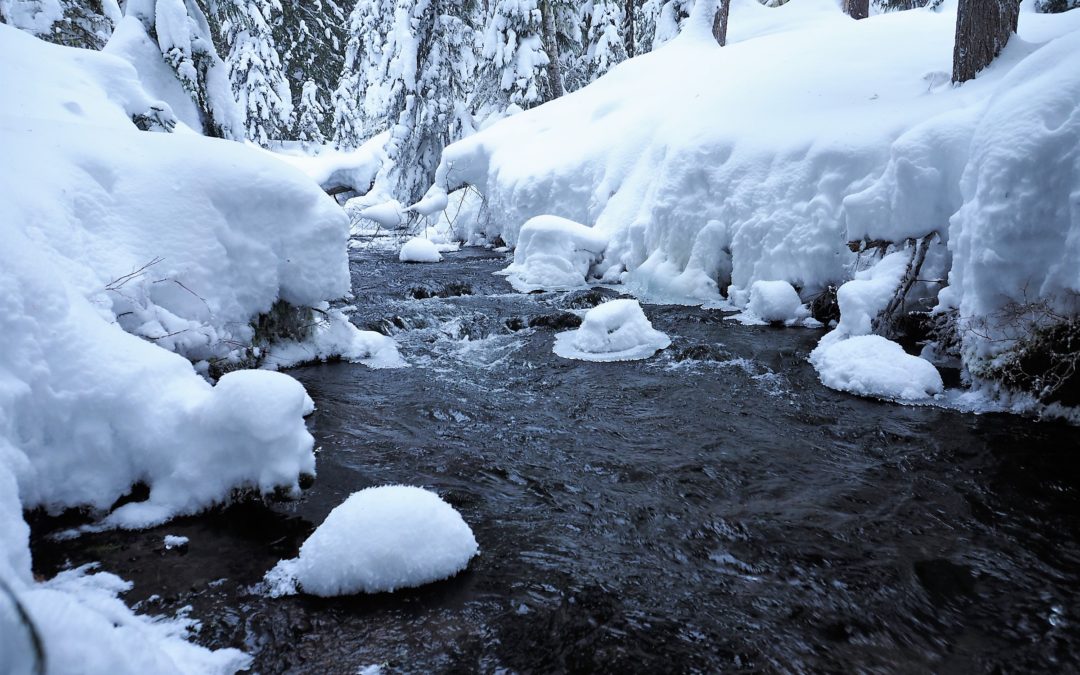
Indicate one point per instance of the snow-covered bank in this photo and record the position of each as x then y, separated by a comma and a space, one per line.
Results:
783, 155
126, 255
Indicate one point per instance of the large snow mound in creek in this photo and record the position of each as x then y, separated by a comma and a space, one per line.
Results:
554, 254
120, 248
378, 540
710, 167
614, 331
870, 365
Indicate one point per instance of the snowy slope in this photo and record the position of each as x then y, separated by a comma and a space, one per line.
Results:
93, 394
696, 159
709, 169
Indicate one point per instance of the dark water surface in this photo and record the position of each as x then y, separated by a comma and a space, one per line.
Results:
711, 509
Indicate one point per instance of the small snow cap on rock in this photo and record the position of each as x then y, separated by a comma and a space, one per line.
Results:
554, 254
614, 331
870, 365
419, 250
380, 539
775, 301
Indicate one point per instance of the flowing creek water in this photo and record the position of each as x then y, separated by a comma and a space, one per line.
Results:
713, 508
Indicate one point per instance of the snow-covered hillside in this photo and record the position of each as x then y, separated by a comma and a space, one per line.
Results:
124, 252
807, 144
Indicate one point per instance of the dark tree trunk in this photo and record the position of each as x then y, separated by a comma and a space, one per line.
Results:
551, 47
719, 26
628, 28
983, 28
857, 9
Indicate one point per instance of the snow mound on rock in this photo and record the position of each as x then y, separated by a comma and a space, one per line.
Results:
870, 365
775, 301
379, 540
614, 331
419, 250
554, 254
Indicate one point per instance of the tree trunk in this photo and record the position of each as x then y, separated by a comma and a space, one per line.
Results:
857, 9
628, 28
720, 21
983, 28
551, 46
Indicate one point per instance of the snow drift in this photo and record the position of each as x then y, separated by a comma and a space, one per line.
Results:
617, 330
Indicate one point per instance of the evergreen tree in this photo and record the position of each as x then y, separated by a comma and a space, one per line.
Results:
311, 37
255, 72
354, 118
1055, 6
659, 21
86, 24
605, 44
857, 9
309, 117
428, 65
516, 63
182, 33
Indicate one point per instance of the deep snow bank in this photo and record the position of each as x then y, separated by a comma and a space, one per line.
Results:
121, 249
709, 169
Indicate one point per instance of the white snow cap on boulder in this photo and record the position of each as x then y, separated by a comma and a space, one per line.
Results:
378, 540
419, 250
774, 301
614, 331
554, 254
870, 365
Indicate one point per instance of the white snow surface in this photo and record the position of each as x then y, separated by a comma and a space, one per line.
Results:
123, 253
870, 365
617, 330
336, 337
710, 168
775, 301
554, 254
378, 540
419, 250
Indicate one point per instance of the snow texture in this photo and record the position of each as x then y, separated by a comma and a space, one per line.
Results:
419, 250
738, 170
124, 252
554, 254
870, 365
336, 338
775, 301
379, 540
614, 331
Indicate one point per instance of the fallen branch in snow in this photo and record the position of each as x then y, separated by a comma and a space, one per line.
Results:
885, 322
118, 283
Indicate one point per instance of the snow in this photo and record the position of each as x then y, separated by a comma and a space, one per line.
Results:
174, 541
775, 301
419, 250
554, 254
127, 255
379, 540
336, 337
332, 168
763, 160
870, 365
614, 331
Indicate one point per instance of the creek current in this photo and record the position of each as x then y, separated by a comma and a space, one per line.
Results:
713, 508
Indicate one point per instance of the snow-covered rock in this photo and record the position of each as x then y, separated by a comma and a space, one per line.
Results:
379, 539
775, 301
336, 337
419, 250
614, 331
554, 254
870, 365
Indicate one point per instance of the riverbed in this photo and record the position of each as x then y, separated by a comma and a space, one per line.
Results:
713, 508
